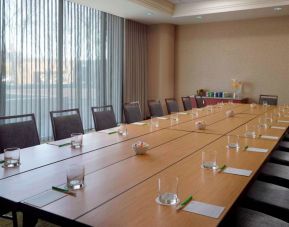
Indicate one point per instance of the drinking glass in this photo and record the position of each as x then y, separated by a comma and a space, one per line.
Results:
269, 118
281, 109
209, 159
11, 157
155, 122
265, 103
250, 131
210, 109
175, 117
233, 142
195, 114
263, 122
75, 176
122, 130
76, 140
168, 190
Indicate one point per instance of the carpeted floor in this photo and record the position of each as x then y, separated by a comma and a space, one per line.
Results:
8, 223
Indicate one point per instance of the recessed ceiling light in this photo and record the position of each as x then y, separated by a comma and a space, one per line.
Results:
277, 8
199, 17
149, 13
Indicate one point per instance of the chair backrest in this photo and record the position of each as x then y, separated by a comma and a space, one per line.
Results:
189, 103
155, 108
132, 112
172, 105
270, 99
65, 122
200, 102
18, 131
103, 117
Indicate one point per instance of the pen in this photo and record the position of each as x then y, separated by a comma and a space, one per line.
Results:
66, 191
184, 203
222, 168
65, 144
112, 132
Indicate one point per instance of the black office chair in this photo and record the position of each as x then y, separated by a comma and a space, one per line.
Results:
200, 102
280, 157
244, 217
155, 108
269, 99
172, 105
189, 103
17, 131
66, 122
132, 112
269, 198
103, 117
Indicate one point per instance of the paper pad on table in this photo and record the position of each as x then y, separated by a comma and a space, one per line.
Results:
204, 209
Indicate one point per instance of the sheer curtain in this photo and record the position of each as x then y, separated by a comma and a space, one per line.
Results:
92, 60
29, 69
56, 55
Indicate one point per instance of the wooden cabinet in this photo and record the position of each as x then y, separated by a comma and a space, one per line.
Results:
214, 101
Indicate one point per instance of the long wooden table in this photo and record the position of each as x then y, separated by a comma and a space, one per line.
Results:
121, 187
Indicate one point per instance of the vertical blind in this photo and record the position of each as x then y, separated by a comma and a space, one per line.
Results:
92, 60
55, 55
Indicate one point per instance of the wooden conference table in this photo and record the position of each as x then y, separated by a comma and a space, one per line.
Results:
121, 187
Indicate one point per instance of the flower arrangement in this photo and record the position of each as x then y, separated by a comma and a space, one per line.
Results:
237, 86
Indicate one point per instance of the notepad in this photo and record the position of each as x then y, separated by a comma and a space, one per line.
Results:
241, 172
44, 198
283, 121
163, 118
139, 123
60, 143
205, 209
278, 127
256, 149
269, 137
110, 130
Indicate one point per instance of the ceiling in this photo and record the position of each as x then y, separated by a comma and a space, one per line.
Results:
189, 11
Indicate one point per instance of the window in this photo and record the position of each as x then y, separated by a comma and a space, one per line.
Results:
57, 54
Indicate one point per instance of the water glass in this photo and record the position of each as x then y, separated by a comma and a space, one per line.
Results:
76, 140
195, 114
168, 190
175, 117
75, 176
11, 157
263, 122
209, 159
233, 142
122, 130
210, 109
265, 103
155, 122
269, 118
250, 131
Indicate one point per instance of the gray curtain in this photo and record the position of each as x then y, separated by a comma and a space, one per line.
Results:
135, 73
57, 55
92, 60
